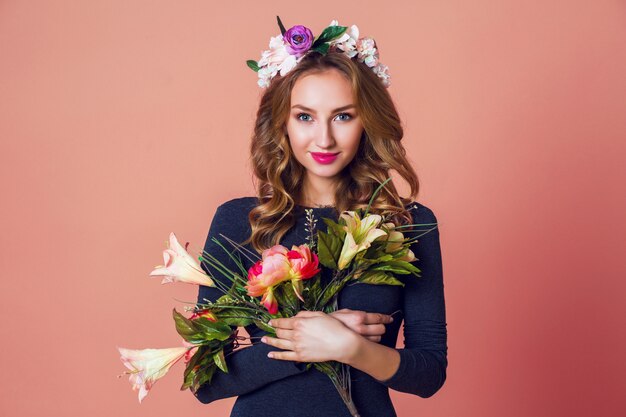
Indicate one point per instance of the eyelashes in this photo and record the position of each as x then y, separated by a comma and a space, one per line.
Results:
340, 114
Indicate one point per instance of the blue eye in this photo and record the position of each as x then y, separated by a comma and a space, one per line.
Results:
298, 116
301, 114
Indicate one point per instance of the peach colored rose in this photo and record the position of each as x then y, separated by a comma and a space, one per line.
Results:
264, 275
304, 265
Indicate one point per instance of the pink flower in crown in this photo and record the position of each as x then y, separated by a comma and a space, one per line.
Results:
382, 71
276, 59
298, 40
347, 42
368, 53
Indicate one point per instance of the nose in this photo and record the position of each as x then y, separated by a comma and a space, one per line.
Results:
325, 139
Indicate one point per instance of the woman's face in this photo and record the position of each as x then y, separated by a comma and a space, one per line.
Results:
323, 127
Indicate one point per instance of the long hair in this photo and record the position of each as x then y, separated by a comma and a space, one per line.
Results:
279, 175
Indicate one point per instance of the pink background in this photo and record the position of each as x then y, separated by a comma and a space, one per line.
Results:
121, 121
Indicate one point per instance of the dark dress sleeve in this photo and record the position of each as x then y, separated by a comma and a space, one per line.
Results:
249, 368
423, 360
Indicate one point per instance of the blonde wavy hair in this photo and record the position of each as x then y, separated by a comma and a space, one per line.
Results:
279, 176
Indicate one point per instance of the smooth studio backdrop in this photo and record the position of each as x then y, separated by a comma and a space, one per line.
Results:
121, 121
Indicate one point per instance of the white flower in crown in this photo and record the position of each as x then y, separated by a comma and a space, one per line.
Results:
277, 58
289, 47
368, 52
383, 73
348, 41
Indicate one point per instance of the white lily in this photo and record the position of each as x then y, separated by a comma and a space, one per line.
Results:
180, 266
360, 233
395, 242
149, 365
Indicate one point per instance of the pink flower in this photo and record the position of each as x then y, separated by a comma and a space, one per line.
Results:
270, 271
278, 264
149, 365
269, 301
304, 265
264, 275
180, 266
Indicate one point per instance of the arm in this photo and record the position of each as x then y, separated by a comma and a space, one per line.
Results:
248, 368
420, 367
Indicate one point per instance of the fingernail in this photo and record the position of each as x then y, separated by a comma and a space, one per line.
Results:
270, 355
391, 319
264, 339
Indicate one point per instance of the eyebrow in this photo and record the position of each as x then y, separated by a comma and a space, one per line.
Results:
313, 111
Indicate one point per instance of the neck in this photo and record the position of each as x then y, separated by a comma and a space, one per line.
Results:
318, 192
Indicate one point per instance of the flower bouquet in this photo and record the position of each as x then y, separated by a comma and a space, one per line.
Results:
361, 247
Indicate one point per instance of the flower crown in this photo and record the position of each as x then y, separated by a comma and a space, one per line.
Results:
288, 48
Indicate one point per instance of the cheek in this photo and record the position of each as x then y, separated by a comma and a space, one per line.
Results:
299, 137
353, 139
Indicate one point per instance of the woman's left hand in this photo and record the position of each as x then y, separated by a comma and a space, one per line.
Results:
312, 336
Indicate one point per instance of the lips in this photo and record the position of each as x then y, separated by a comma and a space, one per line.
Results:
324, 157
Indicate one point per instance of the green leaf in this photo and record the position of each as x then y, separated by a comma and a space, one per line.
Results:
253, 64
335, 228
204, 375
328, 249
220, 361
264, 326
190, 371
236, 319
379, 278
399, 267
287, 296
321, 48
328, 34
201, 329
186, 328
312, 292
213, 330
281, 26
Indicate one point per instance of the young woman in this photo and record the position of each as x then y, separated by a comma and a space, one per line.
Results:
327, 134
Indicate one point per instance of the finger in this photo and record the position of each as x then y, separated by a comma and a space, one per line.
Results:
372, 329
276, 342
375, 318
283, 323
284, 334
307, 313
374, 338
284, 356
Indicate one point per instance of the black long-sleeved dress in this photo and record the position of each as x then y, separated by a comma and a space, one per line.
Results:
269, 387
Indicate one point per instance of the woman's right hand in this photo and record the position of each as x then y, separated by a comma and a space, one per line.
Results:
369, 325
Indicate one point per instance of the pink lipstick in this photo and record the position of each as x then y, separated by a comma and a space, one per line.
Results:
324, 157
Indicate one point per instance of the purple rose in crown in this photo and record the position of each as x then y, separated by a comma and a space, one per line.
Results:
298, 40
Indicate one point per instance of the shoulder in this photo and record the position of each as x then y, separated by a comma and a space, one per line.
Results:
421, 213
238, 204
231, 217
